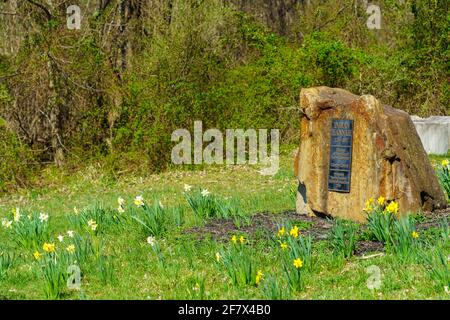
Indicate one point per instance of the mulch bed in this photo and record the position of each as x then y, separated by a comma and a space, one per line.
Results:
319, 228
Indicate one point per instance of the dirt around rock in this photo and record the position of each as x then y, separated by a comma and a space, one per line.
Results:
319, 228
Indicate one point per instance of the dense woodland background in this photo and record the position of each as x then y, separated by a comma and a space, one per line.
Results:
112, 92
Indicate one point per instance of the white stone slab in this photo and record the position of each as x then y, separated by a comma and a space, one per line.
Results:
434, 132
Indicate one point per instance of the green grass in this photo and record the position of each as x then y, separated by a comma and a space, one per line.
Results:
117, 262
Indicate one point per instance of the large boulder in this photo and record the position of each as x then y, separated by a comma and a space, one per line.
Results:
379, 151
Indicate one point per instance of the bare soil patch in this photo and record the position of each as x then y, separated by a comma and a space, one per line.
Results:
319, 228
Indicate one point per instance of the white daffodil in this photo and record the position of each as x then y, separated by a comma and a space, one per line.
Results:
187, 188
6, 223
43, 217
161, 205
70, 233
60, 238
121, 201
139, 201
151, 241
121, 209
92, 224
205, 192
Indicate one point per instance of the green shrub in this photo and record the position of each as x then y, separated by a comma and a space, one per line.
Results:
16, 161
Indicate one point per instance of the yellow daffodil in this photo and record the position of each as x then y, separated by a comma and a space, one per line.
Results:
70, 249
283, 246
281, 232
368, 205
218, 257
241, 239
16, 214
37, 255
294, 232
392, 207
381, 200
49, 247
259, 276
234, 239
414, 234
298, 263
445, 162
121, 209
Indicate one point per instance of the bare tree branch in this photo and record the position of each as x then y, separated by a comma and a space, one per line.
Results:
42, 7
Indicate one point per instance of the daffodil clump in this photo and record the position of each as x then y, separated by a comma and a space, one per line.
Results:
53, 258
97, 219
443, 173
156, 248
205, 205
343, 238
296, 253
153, 218
396, 232
238, 262
6, 262
27, 229
405, 238
293, 244
381, 215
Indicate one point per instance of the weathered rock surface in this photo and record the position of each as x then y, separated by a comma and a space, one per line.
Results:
434, 132
388, 157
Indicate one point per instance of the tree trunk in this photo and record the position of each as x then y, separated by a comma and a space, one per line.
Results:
55, 118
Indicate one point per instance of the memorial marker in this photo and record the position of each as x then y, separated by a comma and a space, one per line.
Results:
339, 172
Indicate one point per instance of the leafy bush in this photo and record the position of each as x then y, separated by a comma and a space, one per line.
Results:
16, 163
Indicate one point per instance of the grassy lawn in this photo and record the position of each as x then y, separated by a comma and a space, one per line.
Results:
189, 257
